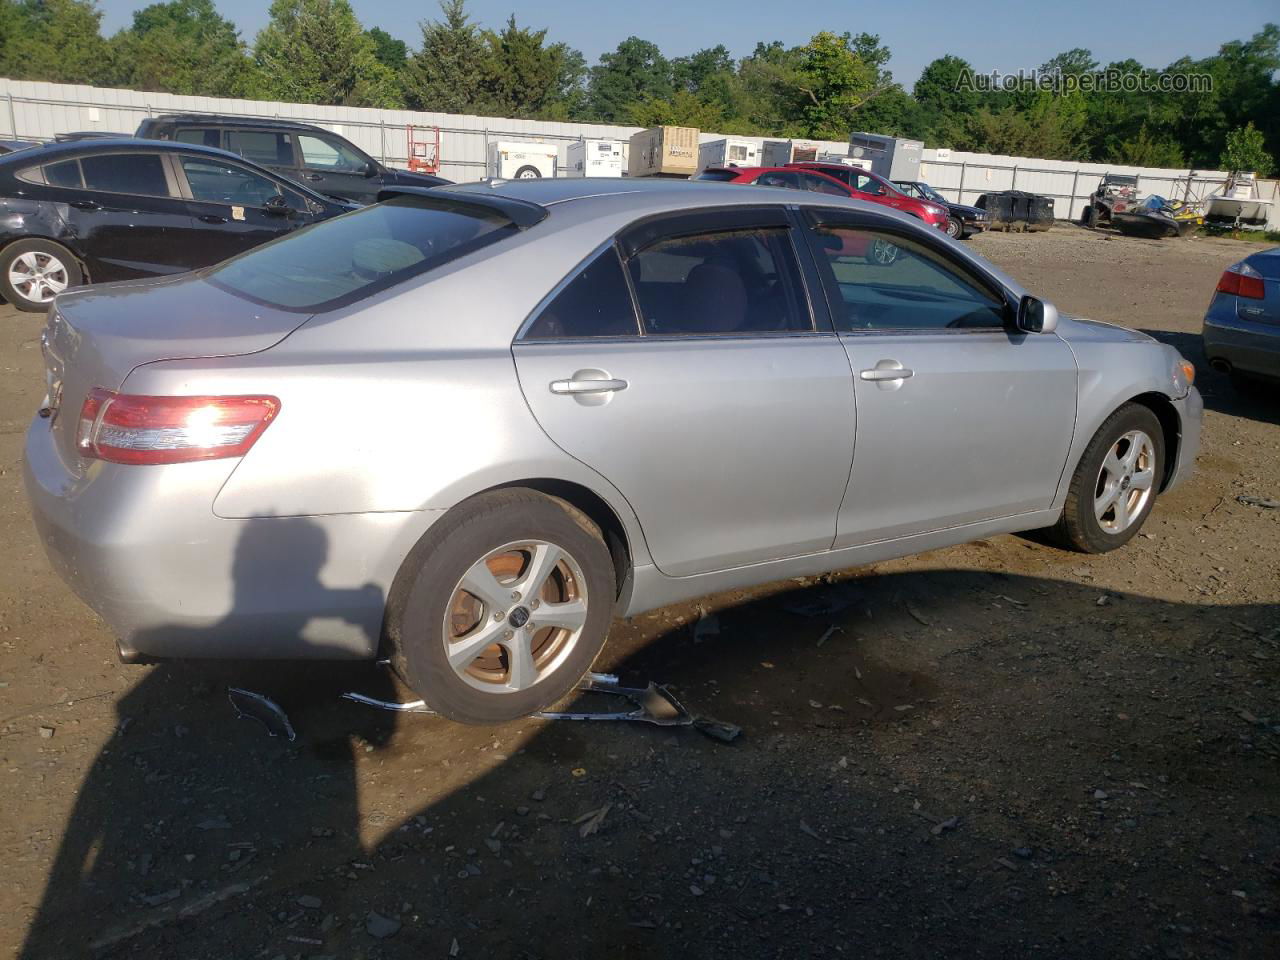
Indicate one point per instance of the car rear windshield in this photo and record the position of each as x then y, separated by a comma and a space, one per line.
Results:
339, 261
716, 175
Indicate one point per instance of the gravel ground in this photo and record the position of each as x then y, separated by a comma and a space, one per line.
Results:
1003, 750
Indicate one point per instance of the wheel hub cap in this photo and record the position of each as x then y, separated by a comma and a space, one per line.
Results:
1125, 482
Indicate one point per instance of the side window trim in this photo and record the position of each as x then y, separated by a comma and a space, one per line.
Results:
536, 313
816, 217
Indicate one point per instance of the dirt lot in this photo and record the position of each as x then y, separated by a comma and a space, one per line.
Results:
1005, 750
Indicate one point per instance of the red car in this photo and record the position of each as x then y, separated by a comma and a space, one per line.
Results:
833, 178
870, 186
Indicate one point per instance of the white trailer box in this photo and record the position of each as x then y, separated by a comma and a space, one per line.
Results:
595, 158
894, 158
778, 153
728, 152
520, 160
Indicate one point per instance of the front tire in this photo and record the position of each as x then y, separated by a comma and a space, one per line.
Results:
1115, 483
509, 606
33, 272
955, 229
1089, 218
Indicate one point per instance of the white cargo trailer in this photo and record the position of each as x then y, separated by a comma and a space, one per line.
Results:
728, 152
595, 158
778, 153
520, 160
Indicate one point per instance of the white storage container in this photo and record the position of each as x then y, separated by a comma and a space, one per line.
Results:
778, 153
728, 152
595, 158
520, 160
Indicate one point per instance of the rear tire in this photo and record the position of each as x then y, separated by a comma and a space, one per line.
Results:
955, 230
528, 172
33, 272
1089, 218
490, 570
1114, 485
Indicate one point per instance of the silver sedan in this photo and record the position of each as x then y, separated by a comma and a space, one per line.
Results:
465, 428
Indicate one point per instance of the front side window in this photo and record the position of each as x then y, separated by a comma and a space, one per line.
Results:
137, 173
817, 184
867, 184
789, 180
595, 303
720, 284
262, 146
353, 256
882, 281
216, 181
325, 154
910, 189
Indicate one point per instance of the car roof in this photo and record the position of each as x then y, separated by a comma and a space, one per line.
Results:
230, 120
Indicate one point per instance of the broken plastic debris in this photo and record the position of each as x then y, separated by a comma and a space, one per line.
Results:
652, 704
267, 712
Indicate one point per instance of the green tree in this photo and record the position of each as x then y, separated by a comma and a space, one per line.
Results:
948, 98
681, 109
314, 51
633, 73
832, 79
391, 53
444, 75
183, 46
523, 76
1245, 152
54, 40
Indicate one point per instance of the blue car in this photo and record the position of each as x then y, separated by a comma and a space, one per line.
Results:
1242, 325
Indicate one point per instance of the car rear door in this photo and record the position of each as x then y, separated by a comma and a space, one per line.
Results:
232, 207
124, 210
725, 416
960, 417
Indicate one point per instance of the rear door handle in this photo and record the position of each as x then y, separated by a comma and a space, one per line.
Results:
86, 204
587, 386
212, 218
886, 370
313, 176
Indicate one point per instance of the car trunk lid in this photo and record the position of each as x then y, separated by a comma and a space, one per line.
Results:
97, 336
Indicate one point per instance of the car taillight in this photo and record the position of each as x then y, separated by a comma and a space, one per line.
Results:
123, 428
1242, 280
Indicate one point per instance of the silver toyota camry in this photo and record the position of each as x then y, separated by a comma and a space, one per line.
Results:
466, 428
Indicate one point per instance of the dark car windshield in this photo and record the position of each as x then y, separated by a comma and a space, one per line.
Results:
353, 256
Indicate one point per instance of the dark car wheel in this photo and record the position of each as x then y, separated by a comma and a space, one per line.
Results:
1115, 483
33, 272
1089, 218
509, 604
528, 172
955, 229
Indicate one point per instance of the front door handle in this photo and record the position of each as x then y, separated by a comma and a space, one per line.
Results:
85, 204
212, 218
313, 176
581, 386
887, 370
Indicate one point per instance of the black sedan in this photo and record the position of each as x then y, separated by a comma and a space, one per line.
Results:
962, 219
95, 210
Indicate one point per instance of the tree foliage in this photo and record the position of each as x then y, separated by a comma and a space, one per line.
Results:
182, 46
1246, 152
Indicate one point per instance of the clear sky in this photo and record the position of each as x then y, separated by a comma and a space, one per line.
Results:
1003, 35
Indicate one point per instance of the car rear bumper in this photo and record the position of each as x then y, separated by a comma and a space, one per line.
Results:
1234, 344
142, 547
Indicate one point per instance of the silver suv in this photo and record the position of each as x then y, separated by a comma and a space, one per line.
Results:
467, 427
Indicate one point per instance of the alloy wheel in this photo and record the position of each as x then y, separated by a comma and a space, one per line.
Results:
1125, 482
515, 616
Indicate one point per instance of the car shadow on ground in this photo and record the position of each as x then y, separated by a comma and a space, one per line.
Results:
933, 763
1263, 402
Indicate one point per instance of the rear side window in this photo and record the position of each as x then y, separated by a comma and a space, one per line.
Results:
595, 303
202, 137
789, 180
64, 174
817, 184
342, 260
137, 173
720, 284
262, 146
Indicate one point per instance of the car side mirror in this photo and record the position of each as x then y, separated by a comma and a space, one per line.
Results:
277, 205
1036, 316
370, 170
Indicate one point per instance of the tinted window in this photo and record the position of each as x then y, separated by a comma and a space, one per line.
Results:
355, 255
262, 146
216, 181
867, 184
879, 281
595, 303
715, 175
744, 281
205, 138
788, 180
140, 173
64, 174
843, 174
811, 181
330, 155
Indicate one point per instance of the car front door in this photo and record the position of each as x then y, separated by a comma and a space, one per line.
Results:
124, 210
332, 166
233, 208
960, 417
722, 414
